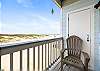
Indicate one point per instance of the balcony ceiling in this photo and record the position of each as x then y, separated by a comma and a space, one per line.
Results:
61, 3
58, 3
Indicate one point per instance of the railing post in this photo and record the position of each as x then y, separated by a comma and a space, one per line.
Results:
56, 50
28, 60
51, 53
45, 57
61, 54
62, 43
0, 59
11, 61
42, 57
33, 58
48, 55
20, 60
38, 58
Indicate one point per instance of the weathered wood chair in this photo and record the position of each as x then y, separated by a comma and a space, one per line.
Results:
74, 47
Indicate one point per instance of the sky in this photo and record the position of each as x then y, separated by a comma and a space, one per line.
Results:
29, 17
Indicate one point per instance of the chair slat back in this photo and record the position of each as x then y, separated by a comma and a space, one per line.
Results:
74, 45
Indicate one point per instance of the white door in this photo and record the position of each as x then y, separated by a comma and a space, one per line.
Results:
79, 25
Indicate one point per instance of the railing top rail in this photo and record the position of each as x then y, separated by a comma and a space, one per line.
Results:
43, 41
17, 47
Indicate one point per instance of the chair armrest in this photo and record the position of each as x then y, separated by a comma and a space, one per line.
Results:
86, 56
63, 50
86, 60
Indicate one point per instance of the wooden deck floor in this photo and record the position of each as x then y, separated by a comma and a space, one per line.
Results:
57, 66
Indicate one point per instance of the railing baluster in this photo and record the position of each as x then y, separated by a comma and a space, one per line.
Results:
0, 59
0, 63
33, 58
56, 50
11, 61
38, 58
42, 57
48, 55
59, 47
21, 60
53, 52
62, 43
45, 56
27, 59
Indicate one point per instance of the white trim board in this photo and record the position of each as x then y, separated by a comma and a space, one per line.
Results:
91, 7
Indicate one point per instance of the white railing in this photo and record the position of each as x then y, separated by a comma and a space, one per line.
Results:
44, 54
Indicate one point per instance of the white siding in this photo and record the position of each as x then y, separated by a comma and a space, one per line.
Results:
97, 40
95, 29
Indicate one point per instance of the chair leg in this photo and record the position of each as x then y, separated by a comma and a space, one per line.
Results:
86, 69
69, 67
61, 66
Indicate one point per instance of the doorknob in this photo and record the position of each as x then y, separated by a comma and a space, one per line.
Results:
87, 37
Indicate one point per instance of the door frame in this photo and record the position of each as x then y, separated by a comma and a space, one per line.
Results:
91, 7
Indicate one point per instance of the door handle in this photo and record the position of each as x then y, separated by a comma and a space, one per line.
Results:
87, 37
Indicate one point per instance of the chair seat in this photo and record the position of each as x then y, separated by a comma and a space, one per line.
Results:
73, 61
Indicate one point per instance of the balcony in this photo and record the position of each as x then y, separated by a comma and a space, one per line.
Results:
42, 55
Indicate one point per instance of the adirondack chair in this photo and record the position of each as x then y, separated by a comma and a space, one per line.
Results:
74, 49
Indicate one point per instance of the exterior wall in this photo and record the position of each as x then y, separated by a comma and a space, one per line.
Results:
78, 5
97, 39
